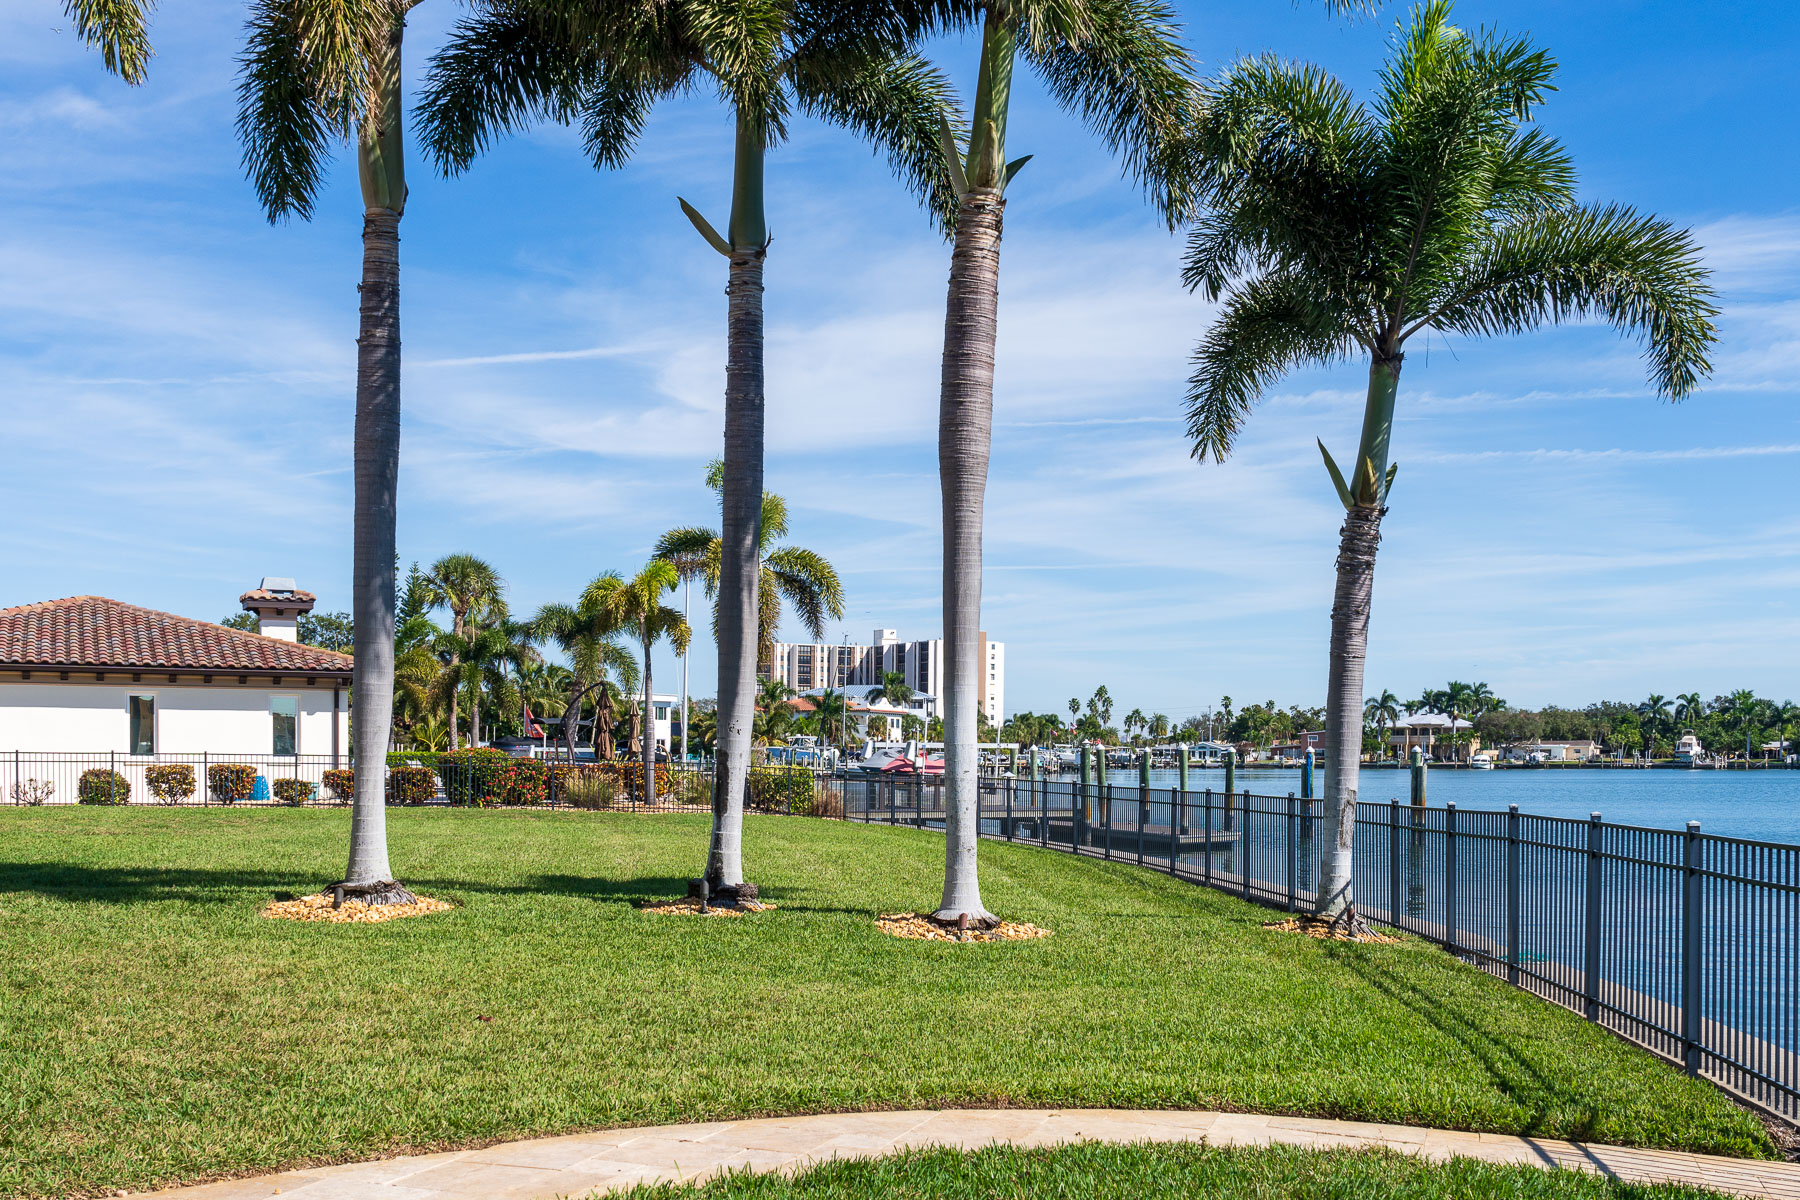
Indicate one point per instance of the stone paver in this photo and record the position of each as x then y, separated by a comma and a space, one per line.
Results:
612, 1160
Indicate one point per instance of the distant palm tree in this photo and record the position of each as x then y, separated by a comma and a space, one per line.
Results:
592, 636
774, 713
830, 710
1335, 232
1689, 707
1383, 711
473, 591
894, 689
636, 604
1135, 719
1654, 714
846, 62
1159, 726
801, 577
116, 28
478, 662
316, 72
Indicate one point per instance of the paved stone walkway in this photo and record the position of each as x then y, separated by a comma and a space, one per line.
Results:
579, 1164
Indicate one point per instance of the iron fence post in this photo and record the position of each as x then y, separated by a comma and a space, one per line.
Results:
1243, 858
1590, 975
1008, 784
1293, 853
1177, 822
1512, 894
1106, 798
1206, 855
1143, 811
1450, 875
1394, 909
205, 778
1690, 949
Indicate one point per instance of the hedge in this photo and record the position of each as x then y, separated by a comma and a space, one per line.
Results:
492, 777
781, 790
231, 782
170, 783
411, 785
102, 786
341, 785
294, 791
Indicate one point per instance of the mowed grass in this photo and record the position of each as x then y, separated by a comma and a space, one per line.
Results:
154, 1028
1096, 1171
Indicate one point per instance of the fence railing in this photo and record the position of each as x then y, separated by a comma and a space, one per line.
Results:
261, 780
1686, 943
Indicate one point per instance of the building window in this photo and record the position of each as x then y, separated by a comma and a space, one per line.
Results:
142, 710
284, 717
662, 712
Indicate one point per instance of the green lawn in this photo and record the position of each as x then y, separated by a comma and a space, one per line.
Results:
1096, 1171
153, 1028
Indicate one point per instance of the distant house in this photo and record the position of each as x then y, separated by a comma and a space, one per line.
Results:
1430, 733
89, 674
1579, 750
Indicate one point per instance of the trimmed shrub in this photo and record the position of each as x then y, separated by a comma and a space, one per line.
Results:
687, 785
170, 783
231, 782
102, 786
33, 792
585, 787
781, 790
403, 758
294, 791
485, 778
411, 785
341, 785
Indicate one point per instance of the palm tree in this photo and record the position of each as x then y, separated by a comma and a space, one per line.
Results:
894, 689
1134, 720
1384, 711
830, 710
591, 636
843, 61
1159, 726
636, 604
1117, 64
1334, 231
774, 713
1655, 714
473, 591
317, 72
801, 577
1689, 707
116, 28
477, 661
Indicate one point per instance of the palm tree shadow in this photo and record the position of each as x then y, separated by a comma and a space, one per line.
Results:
1501, 1054
136, 885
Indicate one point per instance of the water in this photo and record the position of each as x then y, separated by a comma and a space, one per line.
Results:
1764, 805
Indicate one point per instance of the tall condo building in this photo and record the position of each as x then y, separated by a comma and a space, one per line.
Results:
806, 665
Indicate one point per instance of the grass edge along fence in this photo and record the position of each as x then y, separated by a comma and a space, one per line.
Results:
1684, 943
481, 778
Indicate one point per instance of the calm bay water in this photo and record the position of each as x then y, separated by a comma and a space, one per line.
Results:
1750, 804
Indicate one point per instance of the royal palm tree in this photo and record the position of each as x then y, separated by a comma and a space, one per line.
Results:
801, 577
1335, 231
636, 604
606, 63
1119, 66
316, 73
593, 638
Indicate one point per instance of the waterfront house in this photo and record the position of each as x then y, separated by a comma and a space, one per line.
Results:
1432, 733
1552, 750
93, 675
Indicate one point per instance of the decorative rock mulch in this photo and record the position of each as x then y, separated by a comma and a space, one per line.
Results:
1313, 927
318, 908
689, 906
914, 925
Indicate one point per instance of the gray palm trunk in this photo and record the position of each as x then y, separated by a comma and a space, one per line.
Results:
649, 746
739, 568
965, 430
376, 471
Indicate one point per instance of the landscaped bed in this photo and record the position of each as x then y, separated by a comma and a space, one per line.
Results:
1097, 1171
156, 1028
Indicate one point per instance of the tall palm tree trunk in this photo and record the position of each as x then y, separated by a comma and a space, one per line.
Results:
376, 473
740, 527
965, 430
649, 734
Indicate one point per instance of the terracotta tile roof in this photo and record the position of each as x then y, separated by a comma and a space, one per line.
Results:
294, 597
92, 631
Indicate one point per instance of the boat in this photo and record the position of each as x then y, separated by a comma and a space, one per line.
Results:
1481, 761
896, 758
1689, 752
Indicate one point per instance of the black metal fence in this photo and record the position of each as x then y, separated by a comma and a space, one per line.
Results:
1685, 943
253, 780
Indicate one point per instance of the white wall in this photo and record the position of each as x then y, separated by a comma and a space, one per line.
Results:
190, 719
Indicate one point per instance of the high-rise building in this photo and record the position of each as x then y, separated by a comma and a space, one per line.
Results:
807, 665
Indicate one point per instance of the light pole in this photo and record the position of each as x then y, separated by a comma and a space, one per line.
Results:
685, 583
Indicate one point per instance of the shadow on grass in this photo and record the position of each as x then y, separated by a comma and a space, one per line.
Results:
134, 885
1502, 1055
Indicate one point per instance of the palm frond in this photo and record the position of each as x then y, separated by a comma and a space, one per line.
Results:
116, 28
1640, 273
1268, 326
742, 44
809, 583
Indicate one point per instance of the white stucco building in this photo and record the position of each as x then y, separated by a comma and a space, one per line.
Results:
806, 666
97, 676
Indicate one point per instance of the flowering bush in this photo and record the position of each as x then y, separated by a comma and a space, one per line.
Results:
781, 790
492, 777
231, 782
170, 783
341, 785
102, 786
411, 785
33, 792
294, 791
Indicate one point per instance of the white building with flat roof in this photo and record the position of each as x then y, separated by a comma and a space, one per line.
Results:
808, 666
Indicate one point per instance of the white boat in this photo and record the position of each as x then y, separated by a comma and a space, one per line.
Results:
1689, 752
1481, 761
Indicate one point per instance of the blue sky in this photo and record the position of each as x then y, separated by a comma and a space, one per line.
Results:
176, 380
